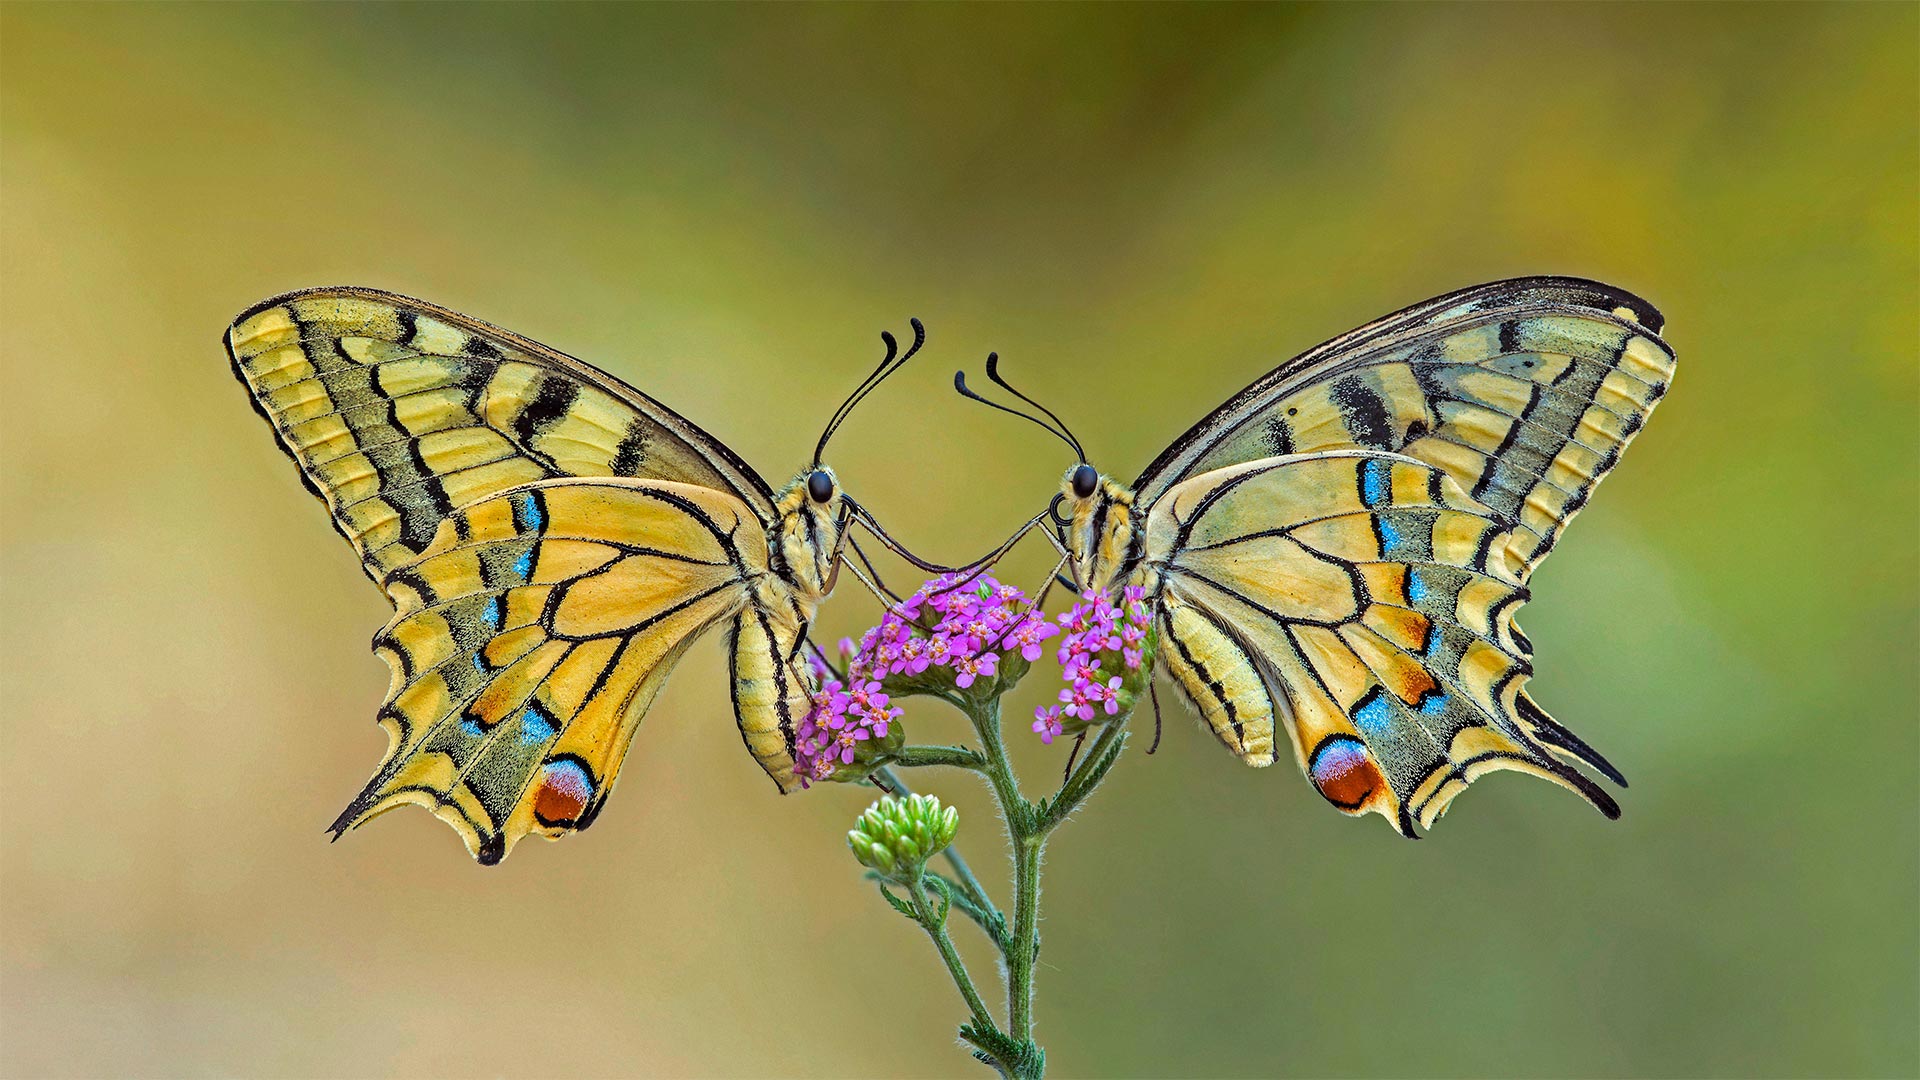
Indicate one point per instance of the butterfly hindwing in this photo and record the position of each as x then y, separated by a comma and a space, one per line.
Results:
1362, 599
1524, 391
531, 635
398, 411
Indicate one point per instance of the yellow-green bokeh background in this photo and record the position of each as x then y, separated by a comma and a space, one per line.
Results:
1142, 209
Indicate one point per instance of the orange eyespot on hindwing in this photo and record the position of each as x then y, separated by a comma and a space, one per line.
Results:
564, 792
1344, 773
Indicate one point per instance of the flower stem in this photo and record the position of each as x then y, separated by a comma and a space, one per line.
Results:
913, 757
936, 927
1026, 936
1029, 839
1013, 807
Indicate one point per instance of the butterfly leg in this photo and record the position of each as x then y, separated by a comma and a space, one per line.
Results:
878, 586
1072, 756
1037, 603
1153, 695
872, 584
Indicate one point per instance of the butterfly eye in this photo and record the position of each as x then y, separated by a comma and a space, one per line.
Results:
1084, 481
820, 486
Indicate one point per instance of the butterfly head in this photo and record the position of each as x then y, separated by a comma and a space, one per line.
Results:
1093, 517
813, 514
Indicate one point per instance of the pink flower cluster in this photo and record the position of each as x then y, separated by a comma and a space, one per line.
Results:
965, 624
1098, 631
843, 716
962, 625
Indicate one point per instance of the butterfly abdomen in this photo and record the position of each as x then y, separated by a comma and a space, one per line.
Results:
771, 694
1219, 677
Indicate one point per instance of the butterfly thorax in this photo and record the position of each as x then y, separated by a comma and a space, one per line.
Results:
1103, 538
804, 545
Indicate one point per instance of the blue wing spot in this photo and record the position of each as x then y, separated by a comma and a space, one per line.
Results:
523, 566
1433, 704
535, 727
1341, 755
1416, 588
471, 727
527, 513
480, 664
1372, 715
1389, 535
495, 612
1376, 481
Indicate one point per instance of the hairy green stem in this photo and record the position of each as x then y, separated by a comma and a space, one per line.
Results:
936, 927
1026, 936
914, 757
1028, 840
999, 771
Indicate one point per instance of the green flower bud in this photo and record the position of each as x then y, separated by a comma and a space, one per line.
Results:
870, 854
896, 837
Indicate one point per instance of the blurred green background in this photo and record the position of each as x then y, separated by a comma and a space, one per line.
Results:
1142, 209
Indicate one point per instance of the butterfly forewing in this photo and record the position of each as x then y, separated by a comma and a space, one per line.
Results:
1360, 598
1525, 392
398, 411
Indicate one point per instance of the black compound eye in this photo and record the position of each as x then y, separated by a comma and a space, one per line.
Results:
1084, 481
820, 486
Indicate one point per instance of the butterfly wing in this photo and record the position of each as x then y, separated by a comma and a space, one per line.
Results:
1356, 600
1524, 391
529, 639
398, 411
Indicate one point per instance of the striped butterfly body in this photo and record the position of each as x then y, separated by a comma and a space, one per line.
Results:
552, 541
1337, 553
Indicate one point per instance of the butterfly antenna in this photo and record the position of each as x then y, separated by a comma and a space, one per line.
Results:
993, 372
889, 364
839, 414
960, 386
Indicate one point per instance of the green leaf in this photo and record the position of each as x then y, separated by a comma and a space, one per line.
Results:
899, 905
1022, 1059
945, 890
